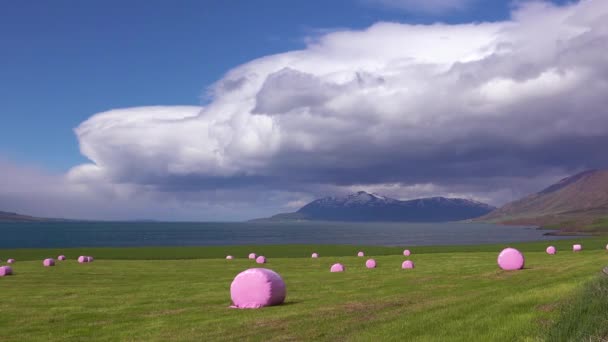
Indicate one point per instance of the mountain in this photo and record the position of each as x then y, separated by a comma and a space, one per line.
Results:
14, 217
579, 202
366, 207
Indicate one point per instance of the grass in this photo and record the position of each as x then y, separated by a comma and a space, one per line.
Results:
174, 294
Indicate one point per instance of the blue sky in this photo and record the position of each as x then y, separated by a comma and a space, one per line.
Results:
63, 61
261, 106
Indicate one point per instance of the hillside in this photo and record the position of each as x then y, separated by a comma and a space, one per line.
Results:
15, 217
575, 203
366, 207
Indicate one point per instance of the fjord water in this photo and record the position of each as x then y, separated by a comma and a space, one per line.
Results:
123, 234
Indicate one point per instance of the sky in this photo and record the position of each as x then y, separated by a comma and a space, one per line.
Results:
229, 110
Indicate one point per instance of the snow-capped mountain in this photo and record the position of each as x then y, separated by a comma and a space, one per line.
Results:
364, 206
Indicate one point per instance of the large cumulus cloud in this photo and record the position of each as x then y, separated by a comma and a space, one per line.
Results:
475, 109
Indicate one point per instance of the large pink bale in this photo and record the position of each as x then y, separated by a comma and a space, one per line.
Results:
577, 248
256, 288
407, 252
261, 259
82, 259
337, 268
360, 254
511, 259
61, 257
407, 264
5, 271
252, 256
551, 250
314, 255
10, 261
370, 263
229, 257
48, 262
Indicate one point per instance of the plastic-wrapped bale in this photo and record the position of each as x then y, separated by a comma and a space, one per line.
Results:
577, 248
5, 271
82, 259
606, 247
229, 257
314, 255
48, 262
407, 252
261, 259
61, 257
10, 261
407, 264
360, 254
370, 263
256, 288
337, 268
90, 259
511, 259
252, 256
551, 250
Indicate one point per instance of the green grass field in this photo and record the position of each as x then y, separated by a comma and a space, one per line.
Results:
182, 293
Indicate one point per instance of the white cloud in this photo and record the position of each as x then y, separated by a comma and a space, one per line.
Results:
453, 106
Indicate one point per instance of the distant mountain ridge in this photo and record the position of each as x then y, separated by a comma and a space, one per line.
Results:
367, 207
14, 217
572, 203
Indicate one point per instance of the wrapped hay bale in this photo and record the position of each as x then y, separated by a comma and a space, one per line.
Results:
577, 247
261, 259
337, 268
229, 257
360, 254
82, 259
5, 271
511, 259
407, 252
252, 256
257, 288
551, 250
61, 257
10, 261
48, 262
314, 255
407, 264
370, 263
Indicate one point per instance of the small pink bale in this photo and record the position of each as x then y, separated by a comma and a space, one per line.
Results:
229, 257
407, 264
261, 259
10, 261
407, 252
511, 259
314, 255
256, 288
48, 262
337, 268
370, 263
252, 256
90, 259
606, 247
82, 259
61, 257
551, 250
577, 248
5, 271
360, 254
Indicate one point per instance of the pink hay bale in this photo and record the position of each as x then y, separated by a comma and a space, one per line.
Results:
606, 247
252, 256
48, 262
551, 250
407, 252
229, 257
82, 259
5, 271
256, 288
511, 259
407, 264
577, 248
370, 263
360, 254
261, 259
61, 258
337, 268
90, 259
314, 255
10, 261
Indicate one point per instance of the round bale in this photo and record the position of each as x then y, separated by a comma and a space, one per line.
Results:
256, 288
